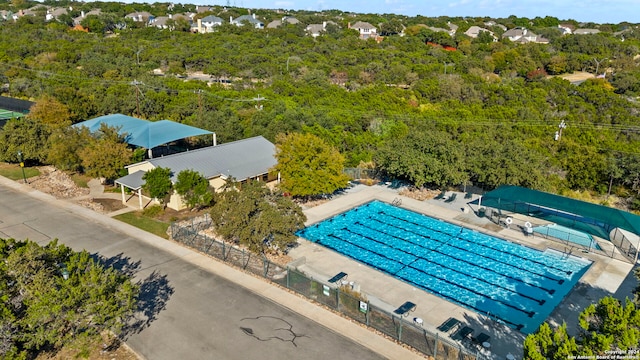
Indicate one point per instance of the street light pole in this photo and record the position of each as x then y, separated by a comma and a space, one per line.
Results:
22, 166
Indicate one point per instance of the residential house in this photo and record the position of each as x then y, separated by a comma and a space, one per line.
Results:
207, 24
251, 19
522, 35
365, 29
285, 20
493, 23
566, 29
316, 30
78, 20
474, 31
54, 13
202, 9
585, 31
8, 15
243, 160
142, 16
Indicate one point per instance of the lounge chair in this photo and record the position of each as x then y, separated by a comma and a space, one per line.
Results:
405, 308
468, 195
450, 324
339, 276
451, 198
463, 334
481, 339
441, 195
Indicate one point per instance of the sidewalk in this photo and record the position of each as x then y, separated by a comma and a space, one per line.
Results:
296, 303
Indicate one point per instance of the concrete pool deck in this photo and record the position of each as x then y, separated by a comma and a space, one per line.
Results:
606, 276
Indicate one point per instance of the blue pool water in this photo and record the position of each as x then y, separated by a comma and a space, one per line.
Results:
514, 284
568, 234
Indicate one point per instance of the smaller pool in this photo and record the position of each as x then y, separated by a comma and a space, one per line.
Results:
568, 234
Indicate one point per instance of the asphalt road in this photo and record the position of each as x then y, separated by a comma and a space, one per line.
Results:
186, 312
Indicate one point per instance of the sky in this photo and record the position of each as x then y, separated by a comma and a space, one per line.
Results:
597, 11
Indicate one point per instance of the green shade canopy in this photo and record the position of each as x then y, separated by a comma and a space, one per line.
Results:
594, 219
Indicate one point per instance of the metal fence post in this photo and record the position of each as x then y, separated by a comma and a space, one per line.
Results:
400, 330
288, 285
435, 347
366, 315
338, 298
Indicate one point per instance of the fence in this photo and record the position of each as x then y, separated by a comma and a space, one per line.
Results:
341, 299
626, 247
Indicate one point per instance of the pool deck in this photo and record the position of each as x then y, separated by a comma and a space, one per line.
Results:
606, 276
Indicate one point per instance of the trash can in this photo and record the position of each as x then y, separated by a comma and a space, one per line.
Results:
481, 211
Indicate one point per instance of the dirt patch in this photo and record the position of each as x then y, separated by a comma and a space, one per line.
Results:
420, 194
102, 348
108, 205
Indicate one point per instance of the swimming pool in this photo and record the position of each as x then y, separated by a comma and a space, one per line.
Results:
514, 284
568, 234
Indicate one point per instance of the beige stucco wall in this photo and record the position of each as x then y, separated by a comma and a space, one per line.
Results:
144, 166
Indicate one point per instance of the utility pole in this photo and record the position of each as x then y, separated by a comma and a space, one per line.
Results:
199, 92
136, 83
559, 132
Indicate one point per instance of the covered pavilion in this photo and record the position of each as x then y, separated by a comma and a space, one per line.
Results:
144, 133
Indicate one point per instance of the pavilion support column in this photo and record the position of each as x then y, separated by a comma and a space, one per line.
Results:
124, 199
140, 197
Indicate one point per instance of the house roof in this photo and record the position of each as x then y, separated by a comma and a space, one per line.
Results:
132, 181
143, 133
362, 25
240, 159
211, 19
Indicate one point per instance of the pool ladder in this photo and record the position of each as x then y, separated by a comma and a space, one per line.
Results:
396, 202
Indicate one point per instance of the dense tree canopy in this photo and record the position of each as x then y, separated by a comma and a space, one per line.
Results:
309, 166
256, 217
50, 295
607, 326
492, 99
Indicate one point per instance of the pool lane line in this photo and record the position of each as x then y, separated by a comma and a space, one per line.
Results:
549, 291
539, 301
530, 314
559, 281
479, 244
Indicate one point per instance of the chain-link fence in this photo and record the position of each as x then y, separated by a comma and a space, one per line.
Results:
343, 299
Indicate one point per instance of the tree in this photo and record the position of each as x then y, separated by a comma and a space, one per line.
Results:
256, 217
57, 295
157, 182
66, 146
106, 154
194, 188
606, 326
30, 136
308, 165
48, 110
424, 159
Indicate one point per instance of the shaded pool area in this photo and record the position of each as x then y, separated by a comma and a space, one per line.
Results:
568, 234
513, 284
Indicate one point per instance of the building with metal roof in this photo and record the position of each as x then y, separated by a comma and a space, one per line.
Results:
144, 133
242, 160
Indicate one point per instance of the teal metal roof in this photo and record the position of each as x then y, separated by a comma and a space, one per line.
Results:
520, 200
144, 133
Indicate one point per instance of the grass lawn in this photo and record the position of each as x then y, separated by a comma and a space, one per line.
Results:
14, 172
80, 180
147, 224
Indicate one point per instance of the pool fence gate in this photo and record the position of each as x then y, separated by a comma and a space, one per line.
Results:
342, 298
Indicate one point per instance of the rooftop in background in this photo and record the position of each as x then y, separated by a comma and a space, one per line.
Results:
16, 105
144, 133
